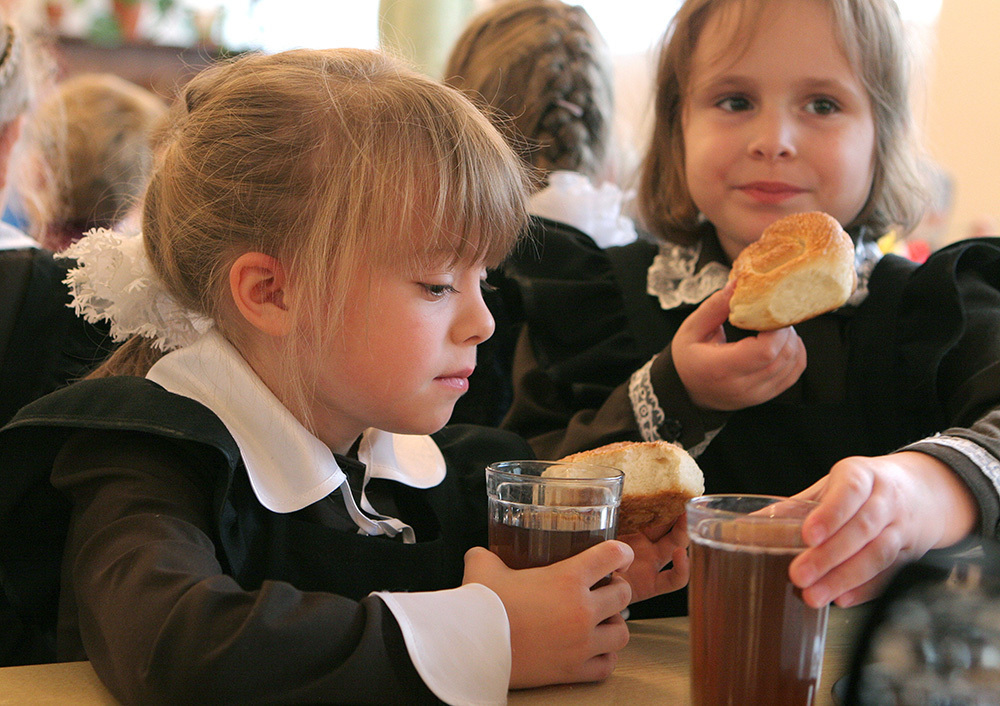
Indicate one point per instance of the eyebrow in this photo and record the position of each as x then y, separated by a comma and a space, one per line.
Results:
725, 82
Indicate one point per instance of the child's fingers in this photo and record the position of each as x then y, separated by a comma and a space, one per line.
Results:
611, 635
601, 560
848, 488
611, 598
865, 546
596, 668
677, 576
859, 570
704, 322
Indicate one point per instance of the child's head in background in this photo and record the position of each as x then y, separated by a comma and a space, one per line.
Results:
20, 72
542, 69
301, 199
93, 142
824, 84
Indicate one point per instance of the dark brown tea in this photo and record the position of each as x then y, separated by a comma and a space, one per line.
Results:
525, 548
526, 536
753, 639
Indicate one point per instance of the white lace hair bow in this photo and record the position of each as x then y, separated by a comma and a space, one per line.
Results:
114, 281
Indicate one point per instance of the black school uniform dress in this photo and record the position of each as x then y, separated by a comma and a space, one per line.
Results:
43, 343
194, 571
913, 361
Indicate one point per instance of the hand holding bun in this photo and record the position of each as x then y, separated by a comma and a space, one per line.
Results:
659, 478
802, 266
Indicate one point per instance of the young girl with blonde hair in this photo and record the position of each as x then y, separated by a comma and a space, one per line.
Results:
887, 409
259, 512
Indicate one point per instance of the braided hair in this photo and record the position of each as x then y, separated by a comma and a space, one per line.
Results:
542, 71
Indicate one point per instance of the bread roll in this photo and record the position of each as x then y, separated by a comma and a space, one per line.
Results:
802, 266
659, 478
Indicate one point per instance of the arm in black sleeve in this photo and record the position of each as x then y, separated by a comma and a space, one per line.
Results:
162, 622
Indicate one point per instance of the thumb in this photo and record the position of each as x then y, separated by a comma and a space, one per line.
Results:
705, 322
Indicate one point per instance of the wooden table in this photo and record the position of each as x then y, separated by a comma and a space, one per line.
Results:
653, 668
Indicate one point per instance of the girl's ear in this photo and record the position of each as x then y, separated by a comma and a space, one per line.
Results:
258, 285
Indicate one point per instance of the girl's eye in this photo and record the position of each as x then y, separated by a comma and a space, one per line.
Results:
438, 290
735, 104
486, 286
823, 106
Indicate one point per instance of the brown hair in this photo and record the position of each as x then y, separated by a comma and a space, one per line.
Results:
544, 73
330, 161
871, 34
94, 145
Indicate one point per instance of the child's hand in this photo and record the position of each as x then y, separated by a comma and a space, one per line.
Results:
874, 514
561, 631
654, 548
729, 376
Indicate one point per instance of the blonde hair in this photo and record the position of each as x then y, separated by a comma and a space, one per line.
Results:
872, 36
544, 74
93, 138
330, 161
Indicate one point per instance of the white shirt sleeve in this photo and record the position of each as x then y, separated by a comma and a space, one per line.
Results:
459, 641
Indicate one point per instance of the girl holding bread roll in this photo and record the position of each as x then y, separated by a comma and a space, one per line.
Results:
255, 500
782, 148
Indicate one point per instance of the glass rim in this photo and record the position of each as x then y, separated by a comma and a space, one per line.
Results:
601, 472
700, 504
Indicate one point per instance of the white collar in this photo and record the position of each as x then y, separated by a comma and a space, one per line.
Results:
289, 468
572, 198
13, 239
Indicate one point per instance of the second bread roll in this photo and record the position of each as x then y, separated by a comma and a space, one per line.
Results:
659, 478
802, 266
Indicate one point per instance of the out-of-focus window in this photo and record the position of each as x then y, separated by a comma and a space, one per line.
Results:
629, 26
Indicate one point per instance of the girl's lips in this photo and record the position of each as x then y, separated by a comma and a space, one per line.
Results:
458, 380
770, 192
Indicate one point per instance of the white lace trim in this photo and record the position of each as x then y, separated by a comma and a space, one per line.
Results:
986, 462
866, 256
571, 198
699, 448
114, 281
646, 407
673, 280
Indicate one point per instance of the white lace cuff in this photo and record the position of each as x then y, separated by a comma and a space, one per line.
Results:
646, 407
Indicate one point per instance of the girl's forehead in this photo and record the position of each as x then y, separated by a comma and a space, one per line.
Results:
736, 31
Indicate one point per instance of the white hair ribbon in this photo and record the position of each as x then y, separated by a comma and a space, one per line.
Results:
115, 282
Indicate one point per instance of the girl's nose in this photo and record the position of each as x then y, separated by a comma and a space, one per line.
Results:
475, 324
773, 137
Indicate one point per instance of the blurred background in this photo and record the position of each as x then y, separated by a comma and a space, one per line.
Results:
158, 43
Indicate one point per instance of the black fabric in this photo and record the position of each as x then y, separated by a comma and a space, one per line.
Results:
34, 516
48, 344
15, 268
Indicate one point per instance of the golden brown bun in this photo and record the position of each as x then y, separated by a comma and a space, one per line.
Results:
802, 266
659, 478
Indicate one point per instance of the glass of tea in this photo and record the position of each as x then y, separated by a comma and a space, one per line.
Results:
541, 512
753, 639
